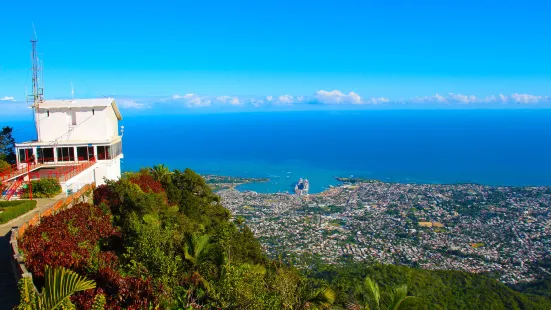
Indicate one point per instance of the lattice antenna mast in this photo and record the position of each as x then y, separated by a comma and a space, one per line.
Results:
38, 90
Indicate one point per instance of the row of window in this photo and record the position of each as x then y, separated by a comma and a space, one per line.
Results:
46, 154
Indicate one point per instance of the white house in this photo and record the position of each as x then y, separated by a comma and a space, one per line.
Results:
82, 134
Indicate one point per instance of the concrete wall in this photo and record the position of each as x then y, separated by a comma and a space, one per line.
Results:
100, 124
105, 169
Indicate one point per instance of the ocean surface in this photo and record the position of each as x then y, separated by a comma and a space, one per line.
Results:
494, 147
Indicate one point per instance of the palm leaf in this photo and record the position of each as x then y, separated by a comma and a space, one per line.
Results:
373, 291
323, 297
399, 298
60, 284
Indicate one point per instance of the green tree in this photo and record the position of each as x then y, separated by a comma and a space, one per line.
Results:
160, 173
7, 145
60, 285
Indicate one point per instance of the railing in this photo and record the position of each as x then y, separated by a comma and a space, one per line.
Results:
13, 171
65, 173
13, 188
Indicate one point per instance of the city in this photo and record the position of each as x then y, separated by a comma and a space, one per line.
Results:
500, 231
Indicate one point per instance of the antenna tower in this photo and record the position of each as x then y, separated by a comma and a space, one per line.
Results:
38, 90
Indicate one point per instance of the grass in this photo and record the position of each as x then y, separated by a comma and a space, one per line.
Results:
14, 209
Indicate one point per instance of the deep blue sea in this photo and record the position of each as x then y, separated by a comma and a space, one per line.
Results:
495, 147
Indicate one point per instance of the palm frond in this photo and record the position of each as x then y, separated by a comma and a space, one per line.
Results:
374, 291
60, 284
323, 297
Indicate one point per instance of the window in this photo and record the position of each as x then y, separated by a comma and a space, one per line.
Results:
65, 154
25, 154
104, 152
109, 151
85, 152
72, 118
48, 113
45, 155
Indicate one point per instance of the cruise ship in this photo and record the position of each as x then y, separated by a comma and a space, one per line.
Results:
302, 187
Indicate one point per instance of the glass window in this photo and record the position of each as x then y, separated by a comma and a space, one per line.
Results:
104, 152
85, 152
65, 154
25, 154
45, 155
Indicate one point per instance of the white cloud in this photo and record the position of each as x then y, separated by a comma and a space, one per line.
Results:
131, 104
462, 98
229, 99
375, 100
337, 97
7, 98
526, 98
193, 100
285, 99
269, 98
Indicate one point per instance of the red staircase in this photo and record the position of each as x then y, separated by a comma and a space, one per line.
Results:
13, 188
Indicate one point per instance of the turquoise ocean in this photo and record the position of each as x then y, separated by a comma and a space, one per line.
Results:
493, 147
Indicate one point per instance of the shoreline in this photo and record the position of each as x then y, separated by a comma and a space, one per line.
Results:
343, 181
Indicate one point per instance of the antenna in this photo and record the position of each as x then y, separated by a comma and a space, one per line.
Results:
38, 90
72, 91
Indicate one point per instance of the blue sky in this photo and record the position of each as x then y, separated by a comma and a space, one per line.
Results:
215, 53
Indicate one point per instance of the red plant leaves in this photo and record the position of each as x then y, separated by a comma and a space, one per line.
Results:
71, 239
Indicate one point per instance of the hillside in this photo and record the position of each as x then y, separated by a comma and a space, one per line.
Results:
162, 238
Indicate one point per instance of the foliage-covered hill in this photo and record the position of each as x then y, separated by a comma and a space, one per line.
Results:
158, 238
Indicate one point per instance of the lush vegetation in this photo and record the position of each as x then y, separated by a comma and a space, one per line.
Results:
161, 238
43, 188
13, 209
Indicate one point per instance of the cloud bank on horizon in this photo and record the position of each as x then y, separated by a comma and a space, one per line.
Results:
332, 98
321, 98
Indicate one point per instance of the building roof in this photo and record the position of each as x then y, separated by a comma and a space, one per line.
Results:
69, 143
81, 103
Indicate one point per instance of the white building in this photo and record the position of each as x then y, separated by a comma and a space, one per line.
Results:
78, 142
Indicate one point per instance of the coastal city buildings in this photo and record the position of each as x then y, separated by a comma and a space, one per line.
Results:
504, 232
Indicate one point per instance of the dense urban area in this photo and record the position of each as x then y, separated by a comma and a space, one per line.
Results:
504, 232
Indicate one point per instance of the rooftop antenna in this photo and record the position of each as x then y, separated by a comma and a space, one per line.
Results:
38, 91
72, 91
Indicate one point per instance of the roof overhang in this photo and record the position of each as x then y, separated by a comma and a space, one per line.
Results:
67, 143
81, 103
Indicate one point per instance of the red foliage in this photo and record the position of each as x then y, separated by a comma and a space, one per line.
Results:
147, 183
70, 239
104, 193
66, 239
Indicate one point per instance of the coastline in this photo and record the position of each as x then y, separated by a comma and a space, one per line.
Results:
237, 182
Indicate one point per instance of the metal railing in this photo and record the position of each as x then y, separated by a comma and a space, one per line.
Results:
13, 188
64, 173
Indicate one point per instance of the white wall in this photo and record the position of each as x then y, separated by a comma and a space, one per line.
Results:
100, 125
109, 169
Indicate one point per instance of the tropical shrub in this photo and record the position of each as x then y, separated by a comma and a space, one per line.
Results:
14, 209
81, 239
4, 165
146, 182
43, 188
60, 285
